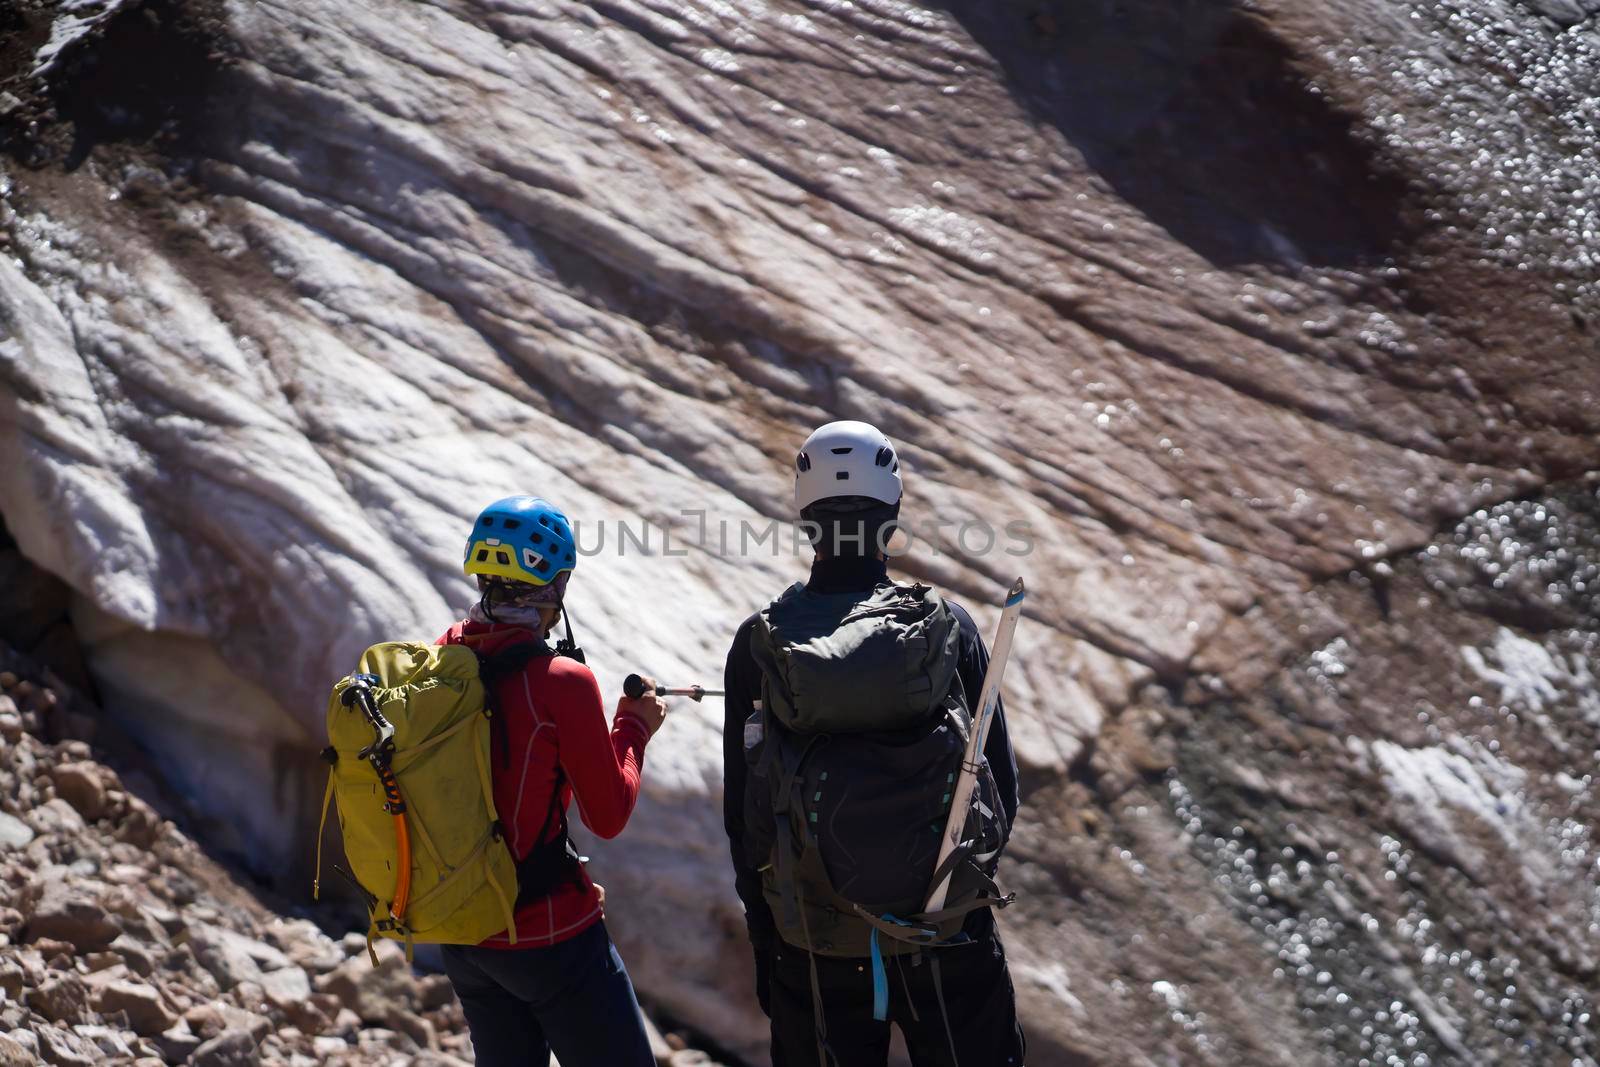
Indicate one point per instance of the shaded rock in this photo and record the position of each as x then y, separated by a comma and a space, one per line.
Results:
234, 1048
226, 955
34, 600
82, 785
414, 1026
65, 913
434, 991
134, 955
373, 992
141, 1002
178, 1043
139, 823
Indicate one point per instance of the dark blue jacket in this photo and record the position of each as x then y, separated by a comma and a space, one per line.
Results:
742, 680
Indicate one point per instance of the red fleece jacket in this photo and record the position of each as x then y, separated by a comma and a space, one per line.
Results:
553, 716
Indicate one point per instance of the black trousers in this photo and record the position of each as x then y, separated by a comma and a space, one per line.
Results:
573, 998
977, 1026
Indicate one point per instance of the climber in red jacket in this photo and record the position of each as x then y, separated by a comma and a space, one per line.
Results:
562, 988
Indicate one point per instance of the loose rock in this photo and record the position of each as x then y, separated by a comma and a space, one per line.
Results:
61, 999
235, 1048
14, 833
146, 1013
83, 786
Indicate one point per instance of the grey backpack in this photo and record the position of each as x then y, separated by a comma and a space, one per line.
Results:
852, 757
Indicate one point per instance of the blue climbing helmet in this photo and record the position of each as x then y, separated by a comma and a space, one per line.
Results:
524, 539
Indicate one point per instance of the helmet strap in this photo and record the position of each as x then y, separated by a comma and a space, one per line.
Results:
567, 646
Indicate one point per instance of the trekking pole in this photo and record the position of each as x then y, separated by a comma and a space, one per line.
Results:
961, 800
633, 687
381, 755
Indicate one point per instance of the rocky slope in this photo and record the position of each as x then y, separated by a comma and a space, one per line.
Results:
1236, 306
120, 941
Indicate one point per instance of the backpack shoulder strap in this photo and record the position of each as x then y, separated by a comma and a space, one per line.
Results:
495, 666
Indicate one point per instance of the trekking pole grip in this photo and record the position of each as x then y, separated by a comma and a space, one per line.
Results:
633, 687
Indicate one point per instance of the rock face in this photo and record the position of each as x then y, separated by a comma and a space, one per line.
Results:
1207, 317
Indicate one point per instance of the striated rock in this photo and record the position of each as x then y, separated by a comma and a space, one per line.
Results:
1226, 302
142, 1003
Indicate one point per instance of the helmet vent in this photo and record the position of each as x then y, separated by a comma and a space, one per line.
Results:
544, 521
885, 455
896, 468
845, 451
511, 524
502, 559
487, 521
802, 462
483, 555
842, 476
535, 538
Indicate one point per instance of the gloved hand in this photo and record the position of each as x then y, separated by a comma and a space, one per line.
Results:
764, 980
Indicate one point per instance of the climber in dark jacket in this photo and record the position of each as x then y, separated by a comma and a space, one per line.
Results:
977, 1002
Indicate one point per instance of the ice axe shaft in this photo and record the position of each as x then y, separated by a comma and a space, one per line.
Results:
380, 755
634, 688
977, 738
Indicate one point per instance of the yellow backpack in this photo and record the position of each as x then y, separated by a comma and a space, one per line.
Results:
409, 749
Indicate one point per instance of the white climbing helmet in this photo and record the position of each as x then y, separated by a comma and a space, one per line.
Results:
846, 459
